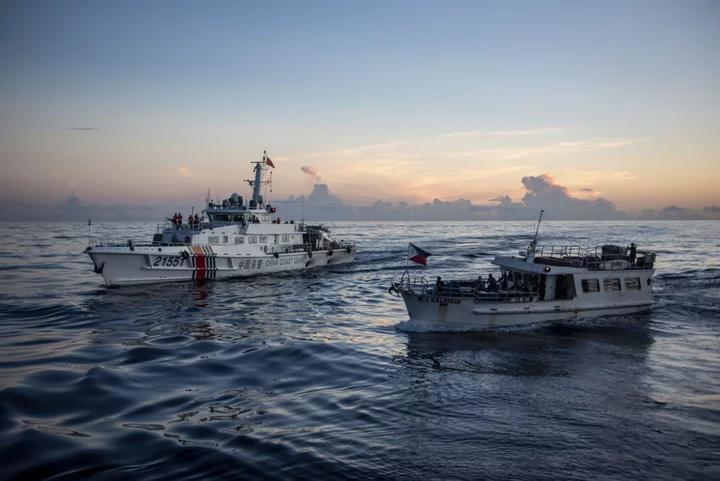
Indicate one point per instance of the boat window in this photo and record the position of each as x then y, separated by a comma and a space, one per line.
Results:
611, 285
632, 284
214, 239
263, 239
239, 240
590, 285
225, 239
252, 239
266, 218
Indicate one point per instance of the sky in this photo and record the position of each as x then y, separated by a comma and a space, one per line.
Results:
369, 110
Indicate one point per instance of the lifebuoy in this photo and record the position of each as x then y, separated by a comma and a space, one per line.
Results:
310, 254
185, 255
348, 249
265, 249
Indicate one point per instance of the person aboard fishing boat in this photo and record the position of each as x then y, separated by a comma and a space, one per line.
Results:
633, 253
491, 283
439, 285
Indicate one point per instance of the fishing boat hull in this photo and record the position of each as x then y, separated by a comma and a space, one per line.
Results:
449, 313
147, 265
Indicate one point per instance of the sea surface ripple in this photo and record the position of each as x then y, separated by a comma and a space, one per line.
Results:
307, 376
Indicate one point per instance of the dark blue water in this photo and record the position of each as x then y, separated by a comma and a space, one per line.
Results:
306, 376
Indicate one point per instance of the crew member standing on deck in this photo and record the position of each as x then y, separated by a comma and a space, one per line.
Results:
633, 252
439, 286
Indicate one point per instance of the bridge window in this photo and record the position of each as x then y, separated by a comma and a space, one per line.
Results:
632, 284
225, 239
214, 239
611, 285
263, 239
239, 240
252, 239
590, 285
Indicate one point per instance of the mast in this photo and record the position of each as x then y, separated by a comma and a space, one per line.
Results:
258, 182
533, 244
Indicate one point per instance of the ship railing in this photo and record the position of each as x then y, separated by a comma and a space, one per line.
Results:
193, 225
559, 252
618, 259
606, 258
308, 247
116, 242
458, 289
505, 296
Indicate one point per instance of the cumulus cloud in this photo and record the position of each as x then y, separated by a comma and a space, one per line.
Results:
322, 196
312, 171
542, 192
503, 199
73, 200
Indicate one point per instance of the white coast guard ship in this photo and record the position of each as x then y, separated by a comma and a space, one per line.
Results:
233, 239
543, 283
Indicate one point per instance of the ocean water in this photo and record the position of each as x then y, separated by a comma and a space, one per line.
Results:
307, 376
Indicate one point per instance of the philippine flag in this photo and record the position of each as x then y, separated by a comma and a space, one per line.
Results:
418, 255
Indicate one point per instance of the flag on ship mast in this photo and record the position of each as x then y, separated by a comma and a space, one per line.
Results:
418, 255
269, 162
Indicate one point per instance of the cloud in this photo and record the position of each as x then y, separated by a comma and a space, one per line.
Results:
184, 171
312, 171
322, 196
503, 200
73, 209
543, 184
83, 128
672, 212
73, 200
507, 133
542, 192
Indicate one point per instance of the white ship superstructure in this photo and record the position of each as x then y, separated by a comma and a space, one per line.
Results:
543, 283
233, 238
